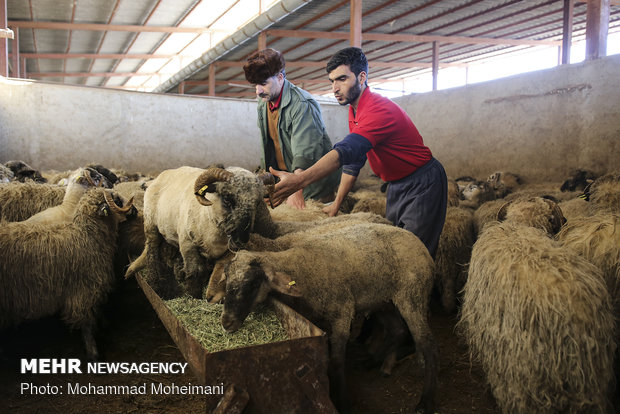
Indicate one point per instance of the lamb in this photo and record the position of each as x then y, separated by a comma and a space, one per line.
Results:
330, 273
474, 194
79, 183
538, 317
61, 268
453, 254
19, 201
503, 183
204, 213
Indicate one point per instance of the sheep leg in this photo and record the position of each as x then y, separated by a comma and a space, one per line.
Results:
88, 336
416, 317
195, 269
338, 343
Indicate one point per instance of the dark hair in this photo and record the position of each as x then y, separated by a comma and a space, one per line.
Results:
262, 65
353, 57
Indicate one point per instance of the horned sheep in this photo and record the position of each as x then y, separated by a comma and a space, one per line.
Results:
61, 268
356, 267
204, 213
538, 317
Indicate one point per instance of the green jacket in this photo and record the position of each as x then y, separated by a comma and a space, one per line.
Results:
303, 138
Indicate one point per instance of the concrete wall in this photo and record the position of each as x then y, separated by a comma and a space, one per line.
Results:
52, 126
539, 125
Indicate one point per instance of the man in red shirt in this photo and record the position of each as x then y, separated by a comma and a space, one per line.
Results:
383, 133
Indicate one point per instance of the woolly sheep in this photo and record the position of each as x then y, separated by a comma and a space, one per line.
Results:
79, 183
535, 212
23, 172
597, 239
604, 194
486, 213
204, 213
61, 268
216, 289
369, 201
574, 208
503, 183
19, 201
355, 267
453, 254
539, 318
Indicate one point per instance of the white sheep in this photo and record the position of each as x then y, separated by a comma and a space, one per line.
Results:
204, 213
330, 273
78, 183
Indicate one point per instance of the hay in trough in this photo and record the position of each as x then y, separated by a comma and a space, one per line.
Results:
202, 320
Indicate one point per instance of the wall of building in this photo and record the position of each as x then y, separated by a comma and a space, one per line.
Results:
52, 126
539, 125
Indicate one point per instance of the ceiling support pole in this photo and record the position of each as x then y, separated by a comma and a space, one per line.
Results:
597, 25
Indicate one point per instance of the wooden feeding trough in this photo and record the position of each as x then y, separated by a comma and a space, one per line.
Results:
286, 376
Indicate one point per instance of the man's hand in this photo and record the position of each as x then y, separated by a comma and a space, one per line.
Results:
296, 200
289, 183
331, 209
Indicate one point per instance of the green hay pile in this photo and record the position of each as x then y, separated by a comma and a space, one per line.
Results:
202, 320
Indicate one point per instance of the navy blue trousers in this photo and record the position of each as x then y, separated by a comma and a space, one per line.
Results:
418, 203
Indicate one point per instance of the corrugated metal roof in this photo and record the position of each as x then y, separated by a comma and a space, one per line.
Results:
74, 49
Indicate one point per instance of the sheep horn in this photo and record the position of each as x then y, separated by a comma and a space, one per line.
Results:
209, 176
203, 183
501, 214
269, 181
89, 178
558, 215
114, 207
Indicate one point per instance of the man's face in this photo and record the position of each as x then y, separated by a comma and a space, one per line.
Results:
269, 90
345, 85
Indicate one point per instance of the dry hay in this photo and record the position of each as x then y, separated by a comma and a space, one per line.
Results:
202, 321
540, 321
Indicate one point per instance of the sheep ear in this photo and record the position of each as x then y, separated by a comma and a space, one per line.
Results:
202, 200
103, 210
501, 214
281, 282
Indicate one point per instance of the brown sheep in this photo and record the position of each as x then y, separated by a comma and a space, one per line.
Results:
539, 318
330, 273
38, 277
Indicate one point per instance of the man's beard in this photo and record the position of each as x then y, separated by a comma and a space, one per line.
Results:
352, 94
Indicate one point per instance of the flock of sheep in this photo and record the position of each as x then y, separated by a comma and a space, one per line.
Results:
531, 270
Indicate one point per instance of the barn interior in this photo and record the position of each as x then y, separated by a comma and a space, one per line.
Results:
142, 87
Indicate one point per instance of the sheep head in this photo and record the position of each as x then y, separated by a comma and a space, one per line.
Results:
536, 212
248, 282
238, 193
115, 208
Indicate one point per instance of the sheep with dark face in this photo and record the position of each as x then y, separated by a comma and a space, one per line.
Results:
604, 194
330, 273
61, 268
23, 172
203, 212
